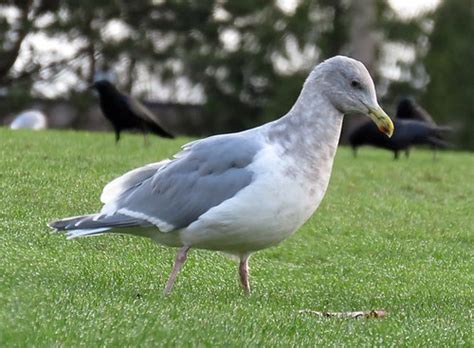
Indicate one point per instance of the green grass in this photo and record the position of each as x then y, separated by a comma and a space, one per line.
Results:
389, 235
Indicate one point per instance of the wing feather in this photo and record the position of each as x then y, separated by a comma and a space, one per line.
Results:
174, 193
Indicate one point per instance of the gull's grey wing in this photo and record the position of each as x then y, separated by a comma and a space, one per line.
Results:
202, 176
134, 178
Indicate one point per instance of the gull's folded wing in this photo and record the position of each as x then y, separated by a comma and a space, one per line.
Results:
174, 194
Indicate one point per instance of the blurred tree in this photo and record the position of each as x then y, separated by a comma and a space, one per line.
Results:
363, 41
244, 60
13, 30
404, 44
241, 53
449, 94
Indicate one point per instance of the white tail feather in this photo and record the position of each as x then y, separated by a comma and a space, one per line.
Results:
86, 233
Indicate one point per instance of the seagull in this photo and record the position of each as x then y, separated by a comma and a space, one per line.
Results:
125, 112
30, 119
242, 192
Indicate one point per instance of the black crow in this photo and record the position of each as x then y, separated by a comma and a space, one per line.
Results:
125, 112
406, 134
408, 109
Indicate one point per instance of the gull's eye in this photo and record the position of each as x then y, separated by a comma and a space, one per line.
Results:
356, 84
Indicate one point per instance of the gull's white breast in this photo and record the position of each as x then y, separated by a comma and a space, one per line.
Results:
264, 213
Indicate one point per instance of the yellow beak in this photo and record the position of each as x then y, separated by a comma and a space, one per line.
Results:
381, 119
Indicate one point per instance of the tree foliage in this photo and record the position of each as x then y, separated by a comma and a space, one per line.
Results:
243, 60
451, 88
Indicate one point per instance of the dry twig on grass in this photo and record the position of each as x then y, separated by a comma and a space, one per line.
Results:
352, 315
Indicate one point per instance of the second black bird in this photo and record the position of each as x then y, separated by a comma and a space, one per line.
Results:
406, 134
409, 109
125, 112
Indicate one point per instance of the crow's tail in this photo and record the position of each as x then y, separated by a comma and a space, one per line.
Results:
156, 129
438, 142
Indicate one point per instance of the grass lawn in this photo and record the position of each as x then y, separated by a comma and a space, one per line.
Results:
392, 235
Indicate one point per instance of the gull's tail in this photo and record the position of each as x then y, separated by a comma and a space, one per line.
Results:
96, 224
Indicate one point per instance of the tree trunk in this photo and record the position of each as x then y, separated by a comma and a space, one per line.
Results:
362, 34
362, 46
9, 57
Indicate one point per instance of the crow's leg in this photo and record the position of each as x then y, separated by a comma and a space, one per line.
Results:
178, 263
354, 152
407, 153
395, 155
145, 134
145, 138
117, 135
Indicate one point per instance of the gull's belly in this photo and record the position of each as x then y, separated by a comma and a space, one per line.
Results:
263, 214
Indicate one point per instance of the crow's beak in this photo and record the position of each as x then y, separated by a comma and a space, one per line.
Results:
381, 119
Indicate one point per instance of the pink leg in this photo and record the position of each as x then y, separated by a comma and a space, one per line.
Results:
178, 263
244, 273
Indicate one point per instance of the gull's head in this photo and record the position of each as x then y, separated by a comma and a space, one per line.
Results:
348, 86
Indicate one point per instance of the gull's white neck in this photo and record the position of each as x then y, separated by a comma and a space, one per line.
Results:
310, 131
